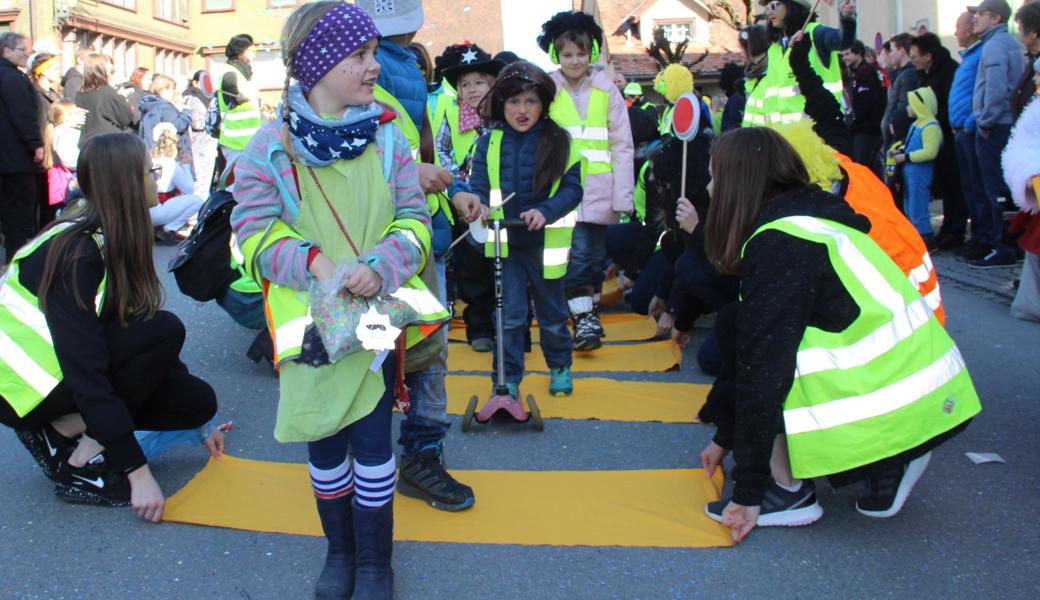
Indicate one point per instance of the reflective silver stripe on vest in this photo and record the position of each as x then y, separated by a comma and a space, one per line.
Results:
555, 256
290, 334
26, 368
25, 312
880, 402
596, 156
906, 318
594, 134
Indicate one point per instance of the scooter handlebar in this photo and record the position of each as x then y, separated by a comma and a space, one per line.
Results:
509, 223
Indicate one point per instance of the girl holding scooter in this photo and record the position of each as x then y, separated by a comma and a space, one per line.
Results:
528, 157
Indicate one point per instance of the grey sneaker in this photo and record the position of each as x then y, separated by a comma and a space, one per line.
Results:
780, 508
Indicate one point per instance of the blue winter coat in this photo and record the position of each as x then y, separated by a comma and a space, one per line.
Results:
155, 110
517, 175
962, 92
400, 75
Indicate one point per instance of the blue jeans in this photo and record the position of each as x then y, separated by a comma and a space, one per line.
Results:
368, 438
588, 259
974, 193
426, 422
918, 195
988, 150
523, 267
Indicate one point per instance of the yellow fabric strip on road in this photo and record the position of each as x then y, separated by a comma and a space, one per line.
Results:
655, 508
594, 398
649, 357
619, 327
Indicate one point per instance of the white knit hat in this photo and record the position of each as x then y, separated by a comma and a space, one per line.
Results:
394, 17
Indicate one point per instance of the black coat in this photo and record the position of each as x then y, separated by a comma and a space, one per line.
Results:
71, 83
940, 79
108, 112
1025, 90
868, 99
20, 133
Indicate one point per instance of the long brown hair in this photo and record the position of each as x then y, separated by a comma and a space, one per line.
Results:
294, 33
749, 167
111, 170
551, 157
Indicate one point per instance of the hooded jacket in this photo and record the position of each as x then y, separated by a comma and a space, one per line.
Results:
155, 110
962, 89
925, 105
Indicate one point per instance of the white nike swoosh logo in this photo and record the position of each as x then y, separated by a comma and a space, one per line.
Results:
50, 448
98, 483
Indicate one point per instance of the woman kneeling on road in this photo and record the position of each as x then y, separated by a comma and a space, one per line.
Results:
87, 356
837, 365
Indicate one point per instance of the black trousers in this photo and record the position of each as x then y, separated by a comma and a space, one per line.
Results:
147, 374
947, 183
18, 207
865, 151
475, 285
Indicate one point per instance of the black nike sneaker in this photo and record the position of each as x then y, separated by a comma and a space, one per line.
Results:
48, 447
94, 483
423, 476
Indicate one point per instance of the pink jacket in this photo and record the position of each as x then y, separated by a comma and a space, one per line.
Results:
608, 194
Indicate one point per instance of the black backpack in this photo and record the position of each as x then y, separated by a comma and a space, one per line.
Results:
202, 264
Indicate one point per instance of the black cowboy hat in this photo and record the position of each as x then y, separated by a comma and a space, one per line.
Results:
460, 59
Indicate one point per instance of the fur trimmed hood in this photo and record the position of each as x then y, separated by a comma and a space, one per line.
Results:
1020, 158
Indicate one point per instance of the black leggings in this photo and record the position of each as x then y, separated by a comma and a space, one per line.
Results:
147, 374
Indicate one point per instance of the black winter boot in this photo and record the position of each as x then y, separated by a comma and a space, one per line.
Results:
337, 577
374, 539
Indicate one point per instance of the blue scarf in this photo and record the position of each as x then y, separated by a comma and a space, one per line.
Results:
320, 142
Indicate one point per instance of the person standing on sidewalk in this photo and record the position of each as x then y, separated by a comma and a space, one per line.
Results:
937, 69
868, 102
21, 145
999, 69
1028, 19
962, 122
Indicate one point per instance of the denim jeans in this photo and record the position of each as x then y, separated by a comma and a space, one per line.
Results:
426, 422
989, 149
974, 193
523, 267
588, 259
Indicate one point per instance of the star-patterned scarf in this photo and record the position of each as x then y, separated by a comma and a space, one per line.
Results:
469, 118
319, 142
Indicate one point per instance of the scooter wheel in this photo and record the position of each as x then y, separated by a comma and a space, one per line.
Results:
467, 417
536, 415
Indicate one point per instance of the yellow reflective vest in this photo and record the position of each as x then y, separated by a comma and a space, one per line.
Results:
591, 134
892, 380
29, 368
237, 125
288, 310
558, 234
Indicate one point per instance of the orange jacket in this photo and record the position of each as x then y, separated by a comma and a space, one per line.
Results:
892, 231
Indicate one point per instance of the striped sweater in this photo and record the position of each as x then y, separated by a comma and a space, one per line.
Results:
256, 191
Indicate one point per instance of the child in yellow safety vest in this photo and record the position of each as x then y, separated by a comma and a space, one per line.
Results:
528, 154
471, 72
591, 109
329, 200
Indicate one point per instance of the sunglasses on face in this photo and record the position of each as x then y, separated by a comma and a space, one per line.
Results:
773, 6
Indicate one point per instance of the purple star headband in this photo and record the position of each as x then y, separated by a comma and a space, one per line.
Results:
334, 37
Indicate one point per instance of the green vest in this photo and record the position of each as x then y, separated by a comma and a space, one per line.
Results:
755, 107
889, 382
782, 98
460, 142
434, 202
639, 192
443, 99
29, 368
240, 124
591, 134
288, 310
557, 234
244, 284
664, 126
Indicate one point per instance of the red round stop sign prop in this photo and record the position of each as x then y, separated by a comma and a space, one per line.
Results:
686, 117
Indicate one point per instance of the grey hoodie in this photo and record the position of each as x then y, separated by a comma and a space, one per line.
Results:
999, 71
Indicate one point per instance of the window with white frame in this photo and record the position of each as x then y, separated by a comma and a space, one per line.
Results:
678, 31
174, 11
217, 5
127, 4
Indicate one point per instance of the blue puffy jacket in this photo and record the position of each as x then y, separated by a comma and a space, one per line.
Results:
400, 76
517, 174
963, 89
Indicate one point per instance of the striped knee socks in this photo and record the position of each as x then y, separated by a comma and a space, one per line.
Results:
375, 484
